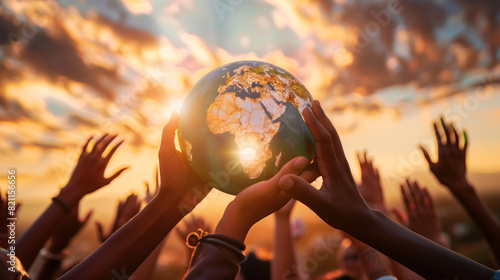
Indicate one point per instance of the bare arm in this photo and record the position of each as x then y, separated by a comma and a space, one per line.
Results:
339, 203
451, 171
180, 191
87, 177
284, 265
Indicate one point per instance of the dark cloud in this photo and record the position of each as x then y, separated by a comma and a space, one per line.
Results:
56, 55
12, 110
129, 36
8, 27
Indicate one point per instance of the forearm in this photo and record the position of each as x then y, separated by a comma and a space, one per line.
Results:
284, 264
403, 273
409, 249
30, 243
372, 262
147, 268
138, 238
484, 219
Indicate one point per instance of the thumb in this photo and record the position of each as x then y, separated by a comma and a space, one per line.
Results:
299, 189
117, 173
87, 217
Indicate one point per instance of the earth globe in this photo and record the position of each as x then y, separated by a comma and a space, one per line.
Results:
242, 122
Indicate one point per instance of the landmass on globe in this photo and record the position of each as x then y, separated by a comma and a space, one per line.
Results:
251, 105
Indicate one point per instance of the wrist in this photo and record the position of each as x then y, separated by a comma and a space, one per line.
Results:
69, 196
231, 224
463, 190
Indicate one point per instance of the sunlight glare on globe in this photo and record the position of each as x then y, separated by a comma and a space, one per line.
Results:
242, 122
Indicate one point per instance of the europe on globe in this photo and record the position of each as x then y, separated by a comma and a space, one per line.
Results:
242, 122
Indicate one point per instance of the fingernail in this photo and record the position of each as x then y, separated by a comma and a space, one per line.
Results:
300, 162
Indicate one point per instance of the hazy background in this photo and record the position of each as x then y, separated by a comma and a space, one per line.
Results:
384, 70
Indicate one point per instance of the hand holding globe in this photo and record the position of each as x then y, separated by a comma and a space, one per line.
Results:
242, 122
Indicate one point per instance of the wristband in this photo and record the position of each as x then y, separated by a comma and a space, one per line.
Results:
194, 239
61, 203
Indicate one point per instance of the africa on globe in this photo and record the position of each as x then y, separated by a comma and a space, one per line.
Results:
242, 122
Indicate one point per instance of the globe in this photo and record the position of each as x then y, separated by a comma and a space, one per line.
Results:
242, 122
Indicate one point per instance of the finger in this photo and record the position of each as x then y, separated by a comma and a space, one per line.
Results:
18, 206
85, 220
85, 146
428, 199
400, 216
157, 178
117, 173
438, 135
100, 232
294, 166
147, 189
466, 143
324, 146
406, 199
426, 156
98, 142
311, 173
446, 131
360, 159
366, 158
456, 136
113, 150
302, 191
105, 143
337, 144
419, 198
167, 146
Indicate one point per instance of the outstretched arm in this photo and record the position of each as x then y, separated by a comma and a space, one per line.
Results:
450, 170
59, 241
340, 205
87, 177
218, 256
372, 192
284, 265
180, 191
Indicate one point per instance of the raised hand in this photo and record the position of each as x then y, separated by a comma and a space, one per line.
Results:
451, 171
126, 210
338, 202
178, 182
421, 216
371, 187
260, 200
450, 167
286, 210
87, 177
88, 174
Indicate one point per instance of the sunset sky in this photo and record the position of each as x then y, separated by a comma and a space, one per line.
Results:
384, 70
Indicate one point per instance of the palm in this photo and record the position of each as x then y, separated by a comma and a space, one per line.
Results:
178, 180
